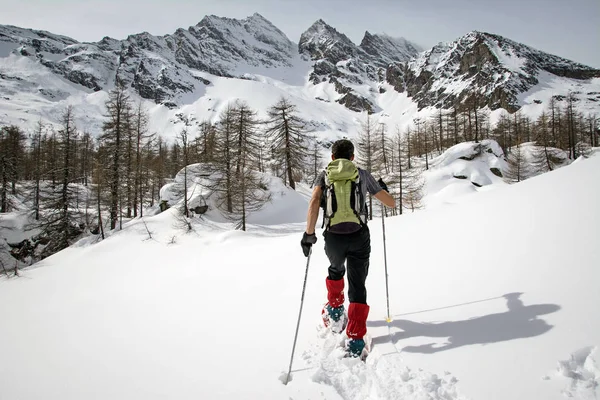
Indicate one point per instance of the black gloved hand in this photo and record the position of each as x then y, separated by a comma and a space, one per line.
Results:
307, 242
383, 185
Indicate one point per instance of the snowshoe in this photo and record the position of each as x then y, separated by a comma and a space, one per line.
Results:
358, 348
335, 318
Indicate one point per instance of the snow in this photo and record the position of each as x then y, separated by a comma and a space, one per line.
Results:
6, 48
489, 297
537, 99
463, 169
583, 373
286, 206
508, 58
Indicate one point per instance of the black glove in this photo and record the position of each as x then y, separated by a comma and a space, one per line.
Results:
383, 185
307, 242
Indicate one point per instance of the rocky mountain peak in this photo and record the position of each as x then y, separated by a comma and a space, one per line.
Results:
385, 49
481, 67
322, 41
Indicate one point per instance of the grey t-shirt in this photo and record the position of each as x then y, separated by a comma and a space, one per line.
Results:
368, 184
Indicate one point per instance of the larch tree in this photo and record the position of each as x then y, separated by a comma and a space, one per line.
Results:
571, 121
545, 157
289, 139
225, 150
12, 150
114, 137
367, 147
60, 217
36, 150
316, 162
238, 188
407, 183
249, 195
517, 169
382, 151
142, 138
184, 138
246, 135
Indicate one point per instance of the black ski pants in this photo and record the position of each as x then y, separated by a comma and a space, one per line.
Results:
355, 249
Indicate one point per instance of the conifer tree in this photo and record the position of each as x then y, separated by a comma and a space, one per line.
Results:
316, 162
517, 169
60, 223
225, 150
289, 139
593, 129
545, 158
36, 150
114, 137
381, 155
249, 195
12, 152
367, 146
207, 138
238, 188
246, 136
407, 183
141, 138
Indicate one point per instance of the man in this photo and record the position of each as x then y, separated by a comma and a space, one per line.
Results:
341, 190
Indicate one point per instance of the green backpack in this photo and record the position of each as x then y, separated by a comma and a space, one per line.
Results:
342, 199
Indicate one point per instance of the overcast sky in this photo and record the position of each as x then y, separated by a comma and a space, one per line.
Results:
568, 28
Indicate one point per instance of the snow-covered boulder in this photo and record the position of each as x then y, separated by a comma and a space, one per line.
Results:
284, 206
462, 169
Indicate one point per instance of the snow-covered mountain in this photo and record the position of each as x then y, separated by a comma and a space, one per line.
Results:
159, 67
339, 61
331, 79
489, 69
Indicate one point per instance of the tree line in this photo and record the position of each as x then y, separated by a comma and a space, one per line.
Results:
76, 184
559, 134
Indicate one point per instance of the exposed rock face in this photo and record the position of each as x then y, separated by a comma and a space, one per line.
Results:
323, 42
346, 65
481, 67
158, 67
386, 50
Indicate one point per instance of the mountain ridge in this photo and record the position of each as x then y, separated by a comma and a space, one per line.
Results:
499, 68
175, 70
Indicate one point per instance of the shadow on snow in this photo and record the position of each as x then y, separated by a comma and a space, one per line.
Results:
520, 321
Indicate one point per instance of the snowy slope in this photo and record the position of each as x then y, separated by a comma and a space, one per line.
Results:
489, 297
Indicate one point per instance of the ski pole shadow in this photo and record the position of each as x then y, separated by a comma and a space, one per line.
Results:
520, 321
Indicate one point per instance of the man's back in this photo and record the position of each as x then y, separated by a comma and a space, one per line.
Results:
367, 184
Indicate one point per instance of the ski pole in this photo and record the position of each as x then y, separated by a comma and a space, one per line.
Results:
287, 378
387, 292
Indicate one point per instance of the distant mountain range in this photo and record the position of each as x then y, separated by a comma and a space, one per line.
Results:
41, 72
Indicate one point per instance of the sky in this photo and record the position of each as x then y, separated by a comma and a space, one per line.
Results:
568, 28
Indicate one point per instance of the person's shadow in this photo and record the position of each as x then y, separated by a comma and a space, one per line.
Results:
520, 321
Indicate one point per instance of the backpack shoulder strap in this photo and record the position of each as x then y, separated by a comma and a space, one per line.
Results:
326, 201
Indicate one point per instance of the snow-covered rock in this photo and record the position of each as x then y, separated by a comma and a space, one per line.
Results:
464, 169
